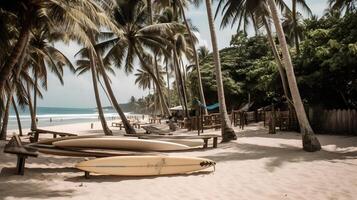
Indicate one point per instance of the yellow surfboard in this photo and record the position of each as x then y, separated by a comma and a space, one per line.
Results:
145, 165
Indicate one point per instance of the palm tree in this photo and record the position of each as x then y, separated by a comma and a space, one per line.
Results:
347, 5
250, 11
45, 57
17, 116
195, 55
144, 81
91, 65
293, 18
227, 131
310, 142
203, 52
6, 114
137, 39
260, 10
179, 7
56, 14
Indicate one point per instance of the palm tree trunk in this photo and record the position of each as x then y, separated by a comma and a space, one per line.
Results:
197, 62
277, 58
175, 11
15, 56
180, 96
157, 70
309, 140
168, 84
35, 95
227, 131
182, 86
149, 7
105, 127
156, 82
17, 116
296, 36
5, 119
128, 128
32, 113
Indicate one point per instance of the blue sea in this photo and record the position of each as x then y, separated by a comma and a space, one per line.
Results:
52, 116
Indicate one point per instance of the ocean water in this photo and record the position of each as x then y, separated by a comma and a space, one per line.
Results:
52, 116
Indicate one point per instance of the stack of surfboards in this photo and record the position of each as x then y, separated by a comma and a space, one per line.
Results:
127, 156
102, 146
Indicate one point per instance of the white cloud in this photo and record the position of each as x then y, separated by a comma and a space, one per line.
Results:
201, 41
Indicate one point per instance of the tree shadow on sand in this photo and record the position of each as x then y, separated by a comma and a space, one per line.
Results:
26, 189
340, 141
279, 155
111, 178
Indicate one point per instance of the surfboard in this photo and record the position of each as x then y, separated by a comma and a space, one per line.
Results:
190, 143
145, 165
122, 143
80, 152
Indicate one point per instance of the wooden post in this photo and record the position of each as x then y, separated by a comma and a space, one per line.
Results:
215, 142
272, 121
264, 115
198, 120
20, 168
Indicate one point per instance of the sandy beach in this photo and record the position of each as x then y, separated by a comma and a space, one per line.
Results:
256, 166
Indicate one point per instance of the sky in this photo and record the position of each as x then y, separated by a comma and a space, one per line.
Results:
77, 91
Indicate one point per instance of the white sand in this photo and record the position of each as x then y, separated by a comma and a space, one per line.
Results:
256, 166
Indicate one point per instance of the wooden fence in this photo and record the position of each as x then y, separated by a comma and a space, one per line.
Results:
322, 121
335, 121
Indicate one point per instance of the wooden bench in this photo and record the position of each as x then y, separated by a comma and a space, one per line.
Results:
205, 138
117, 124
36, 132
215, 126
14, 146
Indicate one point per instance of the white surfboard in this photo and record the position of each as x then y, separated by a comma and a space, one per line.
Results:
122, 143
145, 165
190, 143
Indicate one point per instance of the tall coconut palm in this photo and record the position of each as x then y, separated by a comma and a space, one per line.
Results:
254, 11
203, 52
347, 5
227, 131
179, 8
91, 64
17, 116
102, 71
295, 28
309, 140
6, 114
45, 57
138, 38
144, 80
56, 13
